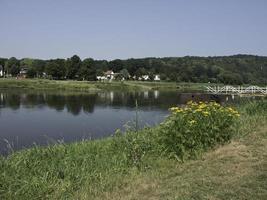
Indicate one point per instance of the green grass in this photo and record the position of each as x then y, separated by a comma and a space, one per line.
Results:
101, 169
95, 85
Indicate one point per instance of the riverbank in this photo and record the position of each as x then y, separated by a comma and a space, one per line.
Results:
41, 84
133, 166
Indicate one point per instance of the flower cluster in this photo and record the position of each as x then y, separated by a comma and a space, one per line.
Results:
205, 109
197, 126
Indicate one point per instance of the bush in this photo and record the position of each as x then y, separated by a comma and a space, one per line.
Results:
196, 127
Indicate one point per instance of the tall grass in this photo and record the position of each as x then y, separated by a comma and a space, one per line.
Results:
60, 171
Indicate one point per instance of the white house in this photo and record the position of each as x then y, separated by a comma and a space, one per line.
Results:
1, 71
147, 78
144, 78
108, 75
157, 77
23, 72
101, 78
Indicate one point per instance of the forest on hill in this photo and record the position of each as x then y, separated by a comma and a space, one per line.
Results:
236, 69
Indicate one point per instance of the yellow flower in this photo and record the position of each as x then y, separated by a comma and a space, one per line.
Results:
191, 122
189, 102
201, 106
206, 113
176, 110
215, 104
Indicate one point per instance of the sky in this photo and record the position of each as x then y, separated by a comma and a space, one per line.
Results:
120, 29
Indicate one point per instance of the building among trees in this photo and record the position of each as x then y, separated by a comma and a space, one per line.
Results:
1, 71
234, 70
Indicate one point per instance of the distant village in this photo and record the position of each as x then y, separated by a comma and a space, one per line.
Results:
107, 76
110, 75
233, 70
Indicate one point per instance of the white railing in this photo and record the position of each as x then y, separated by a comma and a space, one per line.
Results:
239, 89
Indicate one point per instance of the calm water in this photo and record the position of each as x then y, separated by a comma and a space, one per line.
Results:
28, 118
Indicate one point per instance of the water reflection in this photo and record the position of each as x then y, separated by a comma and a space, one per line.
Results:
77, 103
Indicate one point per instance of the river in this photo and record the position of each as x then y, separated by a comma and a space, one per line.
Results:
30, 118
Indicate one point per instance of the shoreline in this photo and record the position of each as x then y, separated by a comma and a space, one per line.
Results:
71, 85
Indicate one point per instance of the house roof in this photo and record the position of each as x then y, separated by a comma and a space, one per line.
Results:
109, 72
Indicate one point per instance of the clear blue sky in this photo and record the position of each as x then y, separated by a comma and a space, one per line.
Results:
132, 28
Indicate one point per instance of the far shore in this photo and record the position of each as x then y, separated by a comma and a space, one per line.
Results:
73, 85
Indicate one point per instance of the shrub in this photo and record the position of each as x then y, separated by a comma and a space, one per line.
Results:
194, 128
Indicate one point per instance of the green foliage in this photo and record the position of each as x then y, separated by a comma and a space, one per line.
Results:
230, 78
125, 74
12, 66
87, 71
14, 70
196, 127
73, 65
55, 69
39, 67
238, 69
31, 72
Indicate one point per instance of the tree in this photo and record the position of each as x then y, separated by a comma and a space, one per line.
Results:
39, 67
14, 70
73, 65
140, 72
55, 69
3, 61
125, 74
27, 62
12, 66
230, 78
87, 70
31, 72
116, 65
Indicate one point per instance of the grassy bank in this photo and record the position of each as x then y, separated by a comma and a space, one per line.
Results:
92, 86
149, 165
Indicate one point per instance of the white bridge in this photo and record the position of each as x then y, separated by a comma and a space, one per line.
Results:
238, 90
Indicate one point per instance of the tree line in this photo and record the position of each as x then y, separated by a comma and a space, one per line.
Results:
236, 69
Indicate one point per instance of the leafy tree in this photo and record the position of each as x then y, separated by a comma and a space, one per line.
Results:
125, 74
151, 76
12, 66
3, 61
56, 69
140, 72
87, 70
39, 67
163, 77
31, 72
230, 78
14, 70
27, 62
116, 65
73, 65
